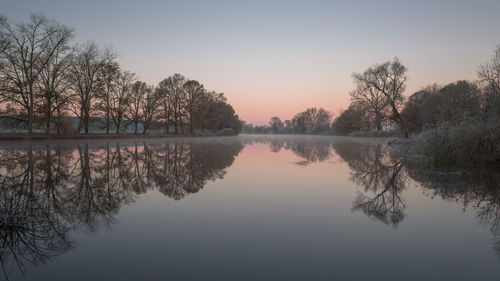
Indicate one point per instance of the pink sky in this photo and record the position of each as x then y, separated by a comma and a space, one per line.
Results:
277, 58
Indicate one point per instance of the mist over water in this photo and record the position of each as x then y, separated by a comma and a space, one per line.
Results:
242, 208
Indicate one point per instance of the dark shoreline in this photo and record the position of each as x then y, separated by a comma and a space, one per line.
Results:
24, 137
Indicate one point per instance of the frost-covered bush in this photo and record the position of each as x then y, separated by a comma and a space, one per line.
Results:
469, 145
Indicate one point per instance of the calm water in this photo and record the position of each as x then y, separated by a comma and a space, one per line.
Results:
242, 208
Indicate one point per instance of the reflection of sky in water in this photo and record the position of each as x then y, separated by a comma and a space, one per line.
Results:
270, 208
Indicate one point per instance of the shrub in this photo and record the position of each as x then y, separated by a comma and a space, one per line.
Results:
469, 145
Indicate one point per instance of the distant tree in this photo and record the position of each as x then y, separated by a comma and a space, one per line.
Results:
433, 105
458, 102
417, 112
276, 125
25, 51
288, 127
320, 119
311, 121
120, 100
389, 79
247, 127
348, 121
299, 123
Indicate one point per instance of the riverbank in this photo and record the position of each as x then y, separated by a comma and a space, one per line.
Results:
470, 145
44, 136
24, 137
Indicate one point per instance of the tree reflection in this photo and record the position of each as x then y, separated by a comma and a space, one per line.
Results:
385, 176
373, 169
310, 149
479, 190
47, 191
32, 227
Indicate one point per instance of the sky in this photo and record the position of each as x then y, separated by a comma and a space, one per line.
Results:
277, 58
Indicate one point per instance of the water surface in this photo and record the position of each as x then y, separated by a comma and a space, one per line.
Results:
242, 208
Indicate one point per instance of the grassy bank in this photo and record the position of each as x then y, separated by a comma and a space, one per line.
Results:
378, 134
468, 145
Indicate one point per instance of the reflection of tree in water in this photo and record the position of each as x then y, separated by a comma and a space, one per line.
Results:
310, 149
178, 169
31, 227
373, 169
47, 191
479, 190
377, 171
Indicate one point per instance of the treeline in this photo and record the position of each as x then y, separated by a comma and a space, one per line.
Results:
312, 121
44, 81
378, 102
380, 108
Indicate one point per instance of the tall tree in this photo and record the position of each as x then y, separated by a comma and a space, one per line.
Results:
276, 124
108, 78
489, 73
173, 95
53, 87
193, 90
120, 99
371, 99
149, 107
26, 51
86, 65
138, 93
389, 79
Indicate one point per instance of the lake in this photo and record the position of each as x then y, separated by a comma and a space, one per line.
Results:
241, 208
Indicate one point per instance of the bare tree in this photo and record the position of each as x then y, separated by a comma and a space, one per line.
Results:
86, 65
149, 106
489, 73
121, 98
389, 79
276, 124
53, 87
26, 50
371, 99
139, 91
194, 90
108, 76
172, 92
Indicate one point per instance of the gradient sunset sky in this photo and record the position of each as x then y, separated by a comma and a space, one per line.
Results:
276, 58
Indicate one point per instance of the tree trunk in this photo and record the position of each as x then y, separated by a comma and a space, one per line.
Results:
47, 125
30, 115
378, 121
86, 123
107, 123
80, 122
